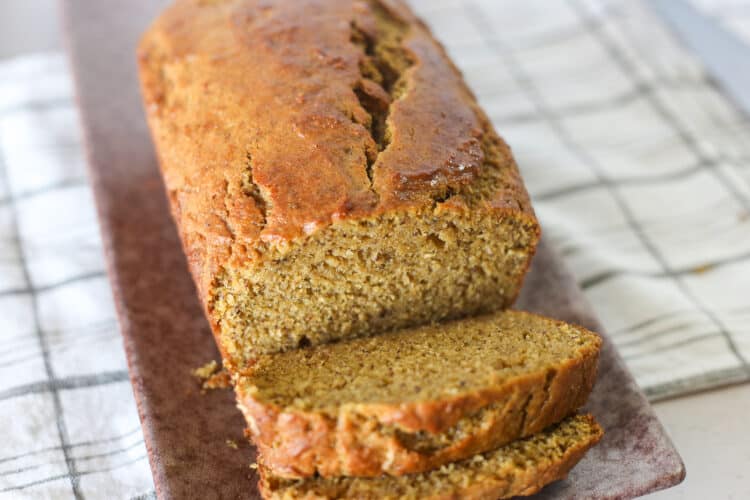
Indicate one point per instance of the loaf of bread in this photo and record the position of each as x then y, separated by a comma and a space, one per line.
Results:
416, 399
354, 227
330, 173
522, 467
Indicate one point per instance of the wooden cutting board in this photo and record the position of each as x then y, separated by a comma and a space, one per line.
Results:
166, 335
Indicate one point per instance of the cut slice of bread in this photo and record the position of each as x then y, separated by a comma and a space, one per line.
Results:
414, 400
522, 467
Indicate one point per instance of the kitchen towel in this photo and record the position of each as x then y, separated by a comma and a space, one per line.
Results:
637, 163
732, 15
67, 413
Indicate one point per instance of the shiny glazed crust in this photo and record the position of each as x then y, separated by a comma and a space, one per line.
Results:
242, 96
371, 439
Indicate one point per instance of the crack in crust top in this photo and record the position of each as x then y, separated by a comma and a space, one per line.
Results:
346, 109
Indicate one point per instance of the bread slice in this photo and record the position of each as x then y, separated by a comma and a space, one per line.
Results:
330, 174
413, 400
522, 467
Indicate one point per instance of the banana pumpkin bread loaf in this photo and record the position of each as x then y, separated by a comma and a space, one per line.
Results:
416, 399
330, 173
522, 467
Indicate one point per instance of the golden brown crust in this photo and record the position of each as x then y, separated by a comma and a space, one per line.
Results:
250, 93
509, 471
371, 439
526, 482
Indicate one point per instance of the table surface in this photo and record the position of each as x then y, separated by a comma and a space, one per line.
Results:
708, 428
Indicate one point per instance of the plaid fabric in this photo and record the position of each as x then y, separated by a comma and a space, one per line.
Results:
638, 167
637, 164
68, 419
733, 15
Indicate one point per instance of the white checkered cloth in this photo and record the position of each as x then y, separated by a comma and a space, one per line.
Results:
68, 421
733, 15
637, 164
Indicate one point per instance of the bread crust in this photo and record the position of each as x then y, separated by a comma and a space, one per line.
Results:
249, 91
372, 439
509, 481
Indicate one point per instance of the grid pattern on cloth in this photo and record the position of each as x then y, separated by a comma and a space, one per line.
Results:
637, 164
68, 419
638, 167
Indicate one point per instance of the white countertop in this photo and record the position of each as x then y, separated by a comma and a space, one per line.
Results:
709, 431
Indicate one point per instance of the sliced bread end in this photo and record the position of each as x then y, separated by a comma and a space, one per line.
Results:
522, 467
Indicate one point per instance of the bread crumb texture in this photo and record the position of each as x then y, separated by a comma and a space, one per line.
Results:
415, 399
419, 364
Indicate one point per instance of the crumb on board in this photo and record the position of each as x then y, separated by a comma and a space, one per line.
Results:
232, 444
702, 269
219, 380
253, 465
206, 370
212, 376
